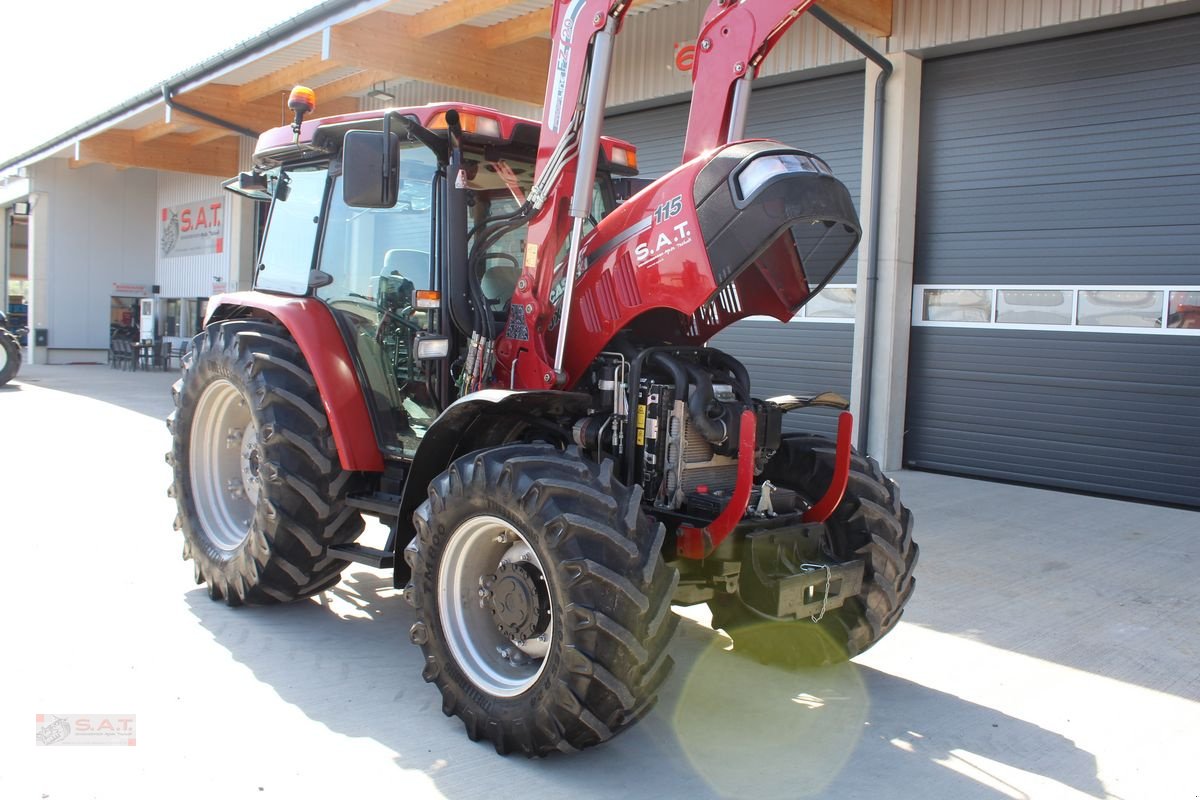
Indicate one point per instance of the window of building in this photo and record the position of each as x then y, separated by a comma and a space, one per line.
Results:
1107, 309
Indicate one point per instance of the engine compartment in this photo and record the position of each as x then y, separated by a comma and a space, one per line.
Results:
676, 432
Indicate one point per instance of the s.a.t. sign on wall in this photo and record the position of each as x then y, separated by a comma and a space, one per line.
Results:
192, 229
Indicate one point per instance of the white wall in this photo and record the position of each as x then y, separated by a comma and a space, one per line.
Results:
92, 227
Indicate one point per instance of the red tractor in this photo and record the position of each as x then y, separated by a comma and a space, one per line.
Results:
459, 328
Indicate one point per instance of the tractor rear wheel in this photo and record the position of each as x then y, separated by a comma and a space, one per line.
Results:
10, 356
869, 524
543, 601
259, 487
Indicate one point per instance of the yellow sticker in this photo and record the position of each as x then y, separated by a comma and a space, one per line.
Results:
641, 426
531, 251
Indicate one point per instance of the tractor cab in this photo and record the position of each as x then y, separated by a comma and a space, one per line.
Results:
401, 244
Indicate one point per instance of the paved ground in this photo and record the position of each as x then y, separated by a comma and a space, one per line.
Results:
1051, 650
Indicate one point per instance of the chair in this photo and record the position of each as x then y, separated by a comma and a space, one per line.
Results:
177, 352
122, 354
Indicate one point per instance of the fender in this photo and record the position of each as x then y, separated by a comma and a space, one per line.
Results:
311, 324
478, 420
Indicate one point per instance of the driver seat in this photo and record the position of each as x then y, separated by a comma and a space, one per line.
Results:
404, 263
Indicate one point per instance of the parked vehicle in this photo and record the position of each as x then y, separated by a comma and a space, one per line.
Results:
10, 350
478, 345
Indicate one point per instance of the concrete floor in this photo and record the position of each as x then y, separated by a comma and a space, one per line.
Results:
1051, 651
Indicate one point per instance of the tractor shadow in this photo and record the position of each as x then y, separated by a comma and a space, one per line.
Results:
725, 726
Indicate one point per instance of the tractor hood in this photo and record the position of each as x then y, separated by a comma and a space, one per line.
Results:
753, 228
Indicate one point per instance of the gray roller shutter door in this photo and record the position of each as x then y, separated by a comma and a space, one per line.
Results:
823, 116
1070, 162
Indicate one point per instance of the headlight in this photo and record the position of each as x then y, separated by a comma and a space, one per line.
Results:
758, 172
432, 346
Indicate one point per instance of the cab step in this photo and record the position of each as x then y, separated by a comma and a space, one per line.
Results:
361, 554
381, 504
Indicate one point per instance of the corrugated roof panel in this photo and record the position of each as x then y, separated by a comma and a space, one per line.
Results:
273, 62
147, 117
412, 6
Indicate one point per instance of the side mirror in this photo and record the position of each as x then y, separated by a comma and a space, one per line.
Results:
364, 159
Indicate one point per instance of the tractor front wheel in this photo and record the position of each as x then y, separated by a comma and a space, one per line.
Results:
257, 480
543, 601
10, 356
869, 524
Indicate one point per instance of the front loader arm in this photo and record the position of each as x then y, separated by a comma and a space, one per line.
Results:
734, 39
568, 148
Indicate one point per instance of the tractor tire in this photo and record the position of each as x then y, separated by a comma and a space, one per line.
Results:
543, 601
257, 481
870, 523
10, 356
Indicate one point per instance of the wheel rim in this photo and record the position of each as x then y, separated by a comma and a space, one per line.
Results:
3, 356
224, 465
487, 569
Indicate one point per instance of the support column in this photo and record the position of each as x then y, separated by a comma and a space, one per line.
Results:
39, 274
893, 288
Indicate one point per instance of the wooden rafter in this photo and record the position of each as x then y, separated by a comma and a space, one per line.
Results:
282, 80
118, 148
872, 16
223, 102
520, 29
451, 13
351, 84
459, 57
206, 136
157, 130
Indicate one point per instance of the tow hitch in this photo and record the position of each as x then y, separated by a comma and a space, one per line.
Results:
776, 582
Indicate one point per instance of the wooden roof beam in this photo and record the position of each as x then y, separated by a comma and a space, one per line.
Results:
459, 57
156, 130
205, 136
118, 148
520, 29
282, 80
223, 102
325, 108
449, 14
351, 84
872, 16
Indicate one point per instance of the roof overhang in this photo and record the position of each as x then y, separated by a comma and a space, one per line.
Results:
341, 48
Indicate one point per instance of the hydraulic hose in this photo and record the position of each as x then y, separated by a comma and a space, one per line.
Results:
741, 377
700, 403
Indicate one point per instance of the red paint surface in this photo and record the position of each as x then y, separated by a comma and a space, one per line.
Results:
699, 542
651, 285
828, 503
738, 33
311, 324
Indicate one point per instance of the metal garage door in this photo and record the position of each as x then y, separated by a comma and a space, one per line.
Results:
824, 116
1056, 315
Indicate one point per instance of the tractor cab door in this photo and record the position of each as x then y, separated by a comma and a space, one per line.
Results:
374, 260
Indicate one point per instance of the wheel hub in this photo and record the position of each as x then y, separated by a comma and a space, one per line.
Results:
519, 601
494, 606
224, 465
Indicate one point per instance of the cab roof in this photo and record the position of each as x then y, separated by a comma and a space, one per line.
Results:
279, 145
